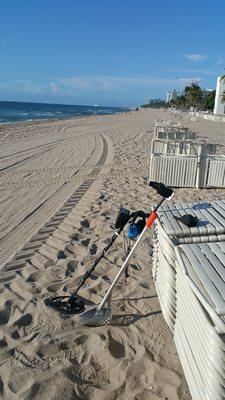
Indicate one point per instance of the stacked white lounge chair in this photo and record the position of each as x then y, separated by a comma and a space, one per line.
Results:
187, 147
199, 332
212, 171
179, 161
176, 170
189, 273
168, 130
170, 233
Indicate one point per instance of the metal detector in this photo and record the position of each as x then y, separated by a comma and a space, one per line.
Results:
73, 304
102, 315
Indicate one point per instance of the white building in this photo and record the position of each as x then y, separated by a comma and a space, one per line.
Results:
171, 96
219, 107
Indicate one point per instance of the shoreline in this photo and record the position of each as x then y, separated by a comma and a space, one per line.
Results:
29, 121
48, 120
66, 111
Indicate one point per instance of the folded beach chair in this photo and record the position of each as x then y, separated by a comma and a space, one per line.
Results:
169, 233
199, 331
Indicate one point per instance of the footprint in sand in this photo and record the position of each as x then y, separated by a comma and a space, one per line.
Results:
71, 267
105, 214
54, 288
93, 249
75, 237
116, 346
85, 223
35, 276
3, 343
85, 242
1, 387
61, 255
4, 315
25, 320
15, 335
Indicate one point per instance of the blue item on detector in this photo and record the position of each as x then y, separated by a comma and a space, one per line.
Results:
133, 231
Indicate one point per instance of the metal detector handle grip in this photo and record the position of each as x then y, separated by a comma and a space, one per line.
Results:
151, 219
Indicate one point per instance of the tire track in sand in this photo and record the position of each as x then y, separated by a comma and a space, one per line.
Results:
55, 208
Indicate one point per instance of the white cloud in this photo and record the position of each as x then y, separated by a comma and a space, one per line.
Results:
6, 86
53, 87
196, 57
27, 87
191, 80
109, 83
220, 61
201, 71
194, 71
75, 82
99, 85
98, 89
38, 89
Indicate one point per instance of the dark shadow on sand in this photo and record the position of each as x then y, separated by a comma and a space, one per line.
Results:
129, 319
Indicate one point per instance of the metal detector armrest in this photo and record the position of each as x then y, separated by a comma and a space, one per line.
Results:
162, 189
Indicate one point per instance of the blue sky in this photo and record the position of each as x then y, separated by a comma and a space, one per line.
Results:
118, 52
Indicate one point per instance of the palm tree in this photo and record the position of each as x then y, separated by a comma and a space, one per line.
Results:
193, 95
181, 102
209, 101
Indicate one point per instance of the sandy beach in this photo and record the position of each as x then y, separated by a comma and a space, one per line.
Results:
62, 183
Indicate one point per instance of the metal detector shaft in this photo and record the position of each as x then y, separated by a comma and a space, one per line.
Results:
89, 271
122, 269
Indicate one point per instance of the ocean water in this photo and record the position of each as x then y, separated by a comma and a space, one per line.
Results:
11, 111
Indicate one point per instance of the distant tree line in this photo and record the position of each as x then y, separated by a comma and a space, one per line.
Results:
193, 97
155, 103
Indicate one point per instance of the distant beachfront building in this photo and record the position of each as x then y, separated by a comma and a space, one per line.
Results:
171, 96
219, 107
